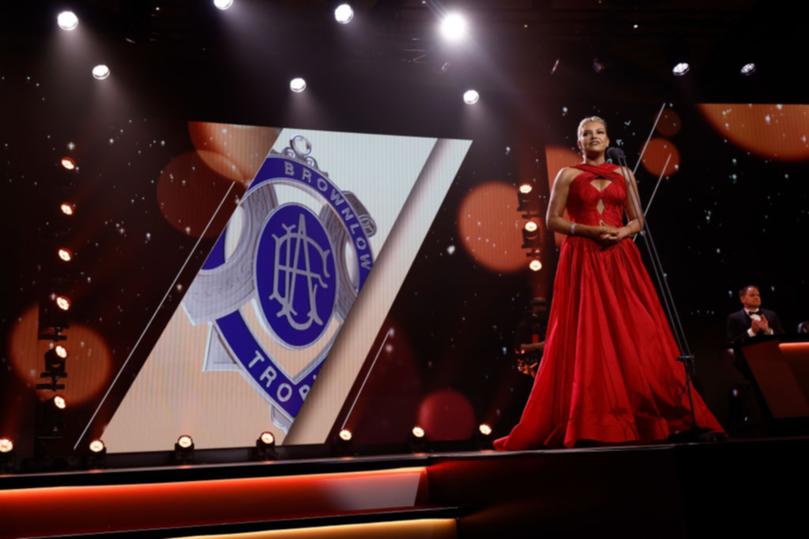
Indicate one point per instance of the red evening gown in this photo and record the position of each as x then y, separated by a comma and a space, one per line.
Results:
609, 371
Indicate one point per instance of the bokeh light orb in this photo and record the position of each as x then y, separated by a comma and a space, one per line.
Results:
490, 227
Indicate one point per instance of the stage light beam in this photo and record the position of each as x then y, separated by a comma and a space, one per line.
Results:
223, 4
67, 21
101, 72
343, 13
297, 85
454, 27
470, 97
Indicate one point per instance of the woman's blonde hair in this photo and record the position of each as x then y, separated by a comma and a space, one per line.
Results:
588, 120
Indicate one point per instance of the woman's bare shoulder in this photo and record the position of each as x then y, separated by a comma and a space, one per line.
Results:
566, 174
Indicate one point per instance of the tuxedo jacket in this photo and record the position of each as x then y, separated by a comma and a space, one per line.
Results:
739, 322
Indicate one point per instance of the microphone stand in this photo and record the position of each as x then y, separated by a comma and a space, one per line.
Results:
686, 357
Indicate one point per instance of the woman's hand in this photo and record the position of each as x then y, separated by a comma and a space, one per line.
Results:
610, 235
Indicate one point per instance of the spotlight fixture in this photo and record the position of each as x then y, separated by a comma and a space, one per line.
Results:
530, 235
67, 20
453, 27
68, 163
297, 85
63, 302
418, 432
470, 97
54, 371
67, 208
345, 435
223, 4
6, 445
101, 72
65, 254
97, 447
535, 265
748, 69
185, 442
527, 203
59, 402
485, 429
681, 69
183, 447
266, 439
343, 13
265, 444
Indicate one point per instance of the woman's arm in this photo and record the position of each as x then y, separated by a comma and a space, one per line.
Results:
631, 206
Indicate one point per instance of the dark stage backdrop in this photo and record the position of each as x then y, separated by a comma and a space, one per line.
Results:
729, 211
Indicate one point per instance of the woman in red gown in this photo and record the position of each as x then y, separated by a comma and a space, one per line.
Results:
609, 372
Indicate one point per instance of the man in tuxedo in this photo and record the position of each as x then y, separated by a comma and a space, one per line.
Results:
752, 321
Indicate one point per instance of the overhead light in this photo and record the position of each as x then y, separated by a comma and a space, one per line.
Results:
470, 97
67, 208
531, 226
67, 20
453, 27
535, 265
345, 435
65, 254
101, 71
417, 432
61, 351
748, 69
343, 13
525, 188
485, 429
297, 85
681, 69
223, 4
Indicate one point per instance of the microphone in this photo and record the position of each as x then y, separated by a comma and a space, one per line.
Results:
616, 154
